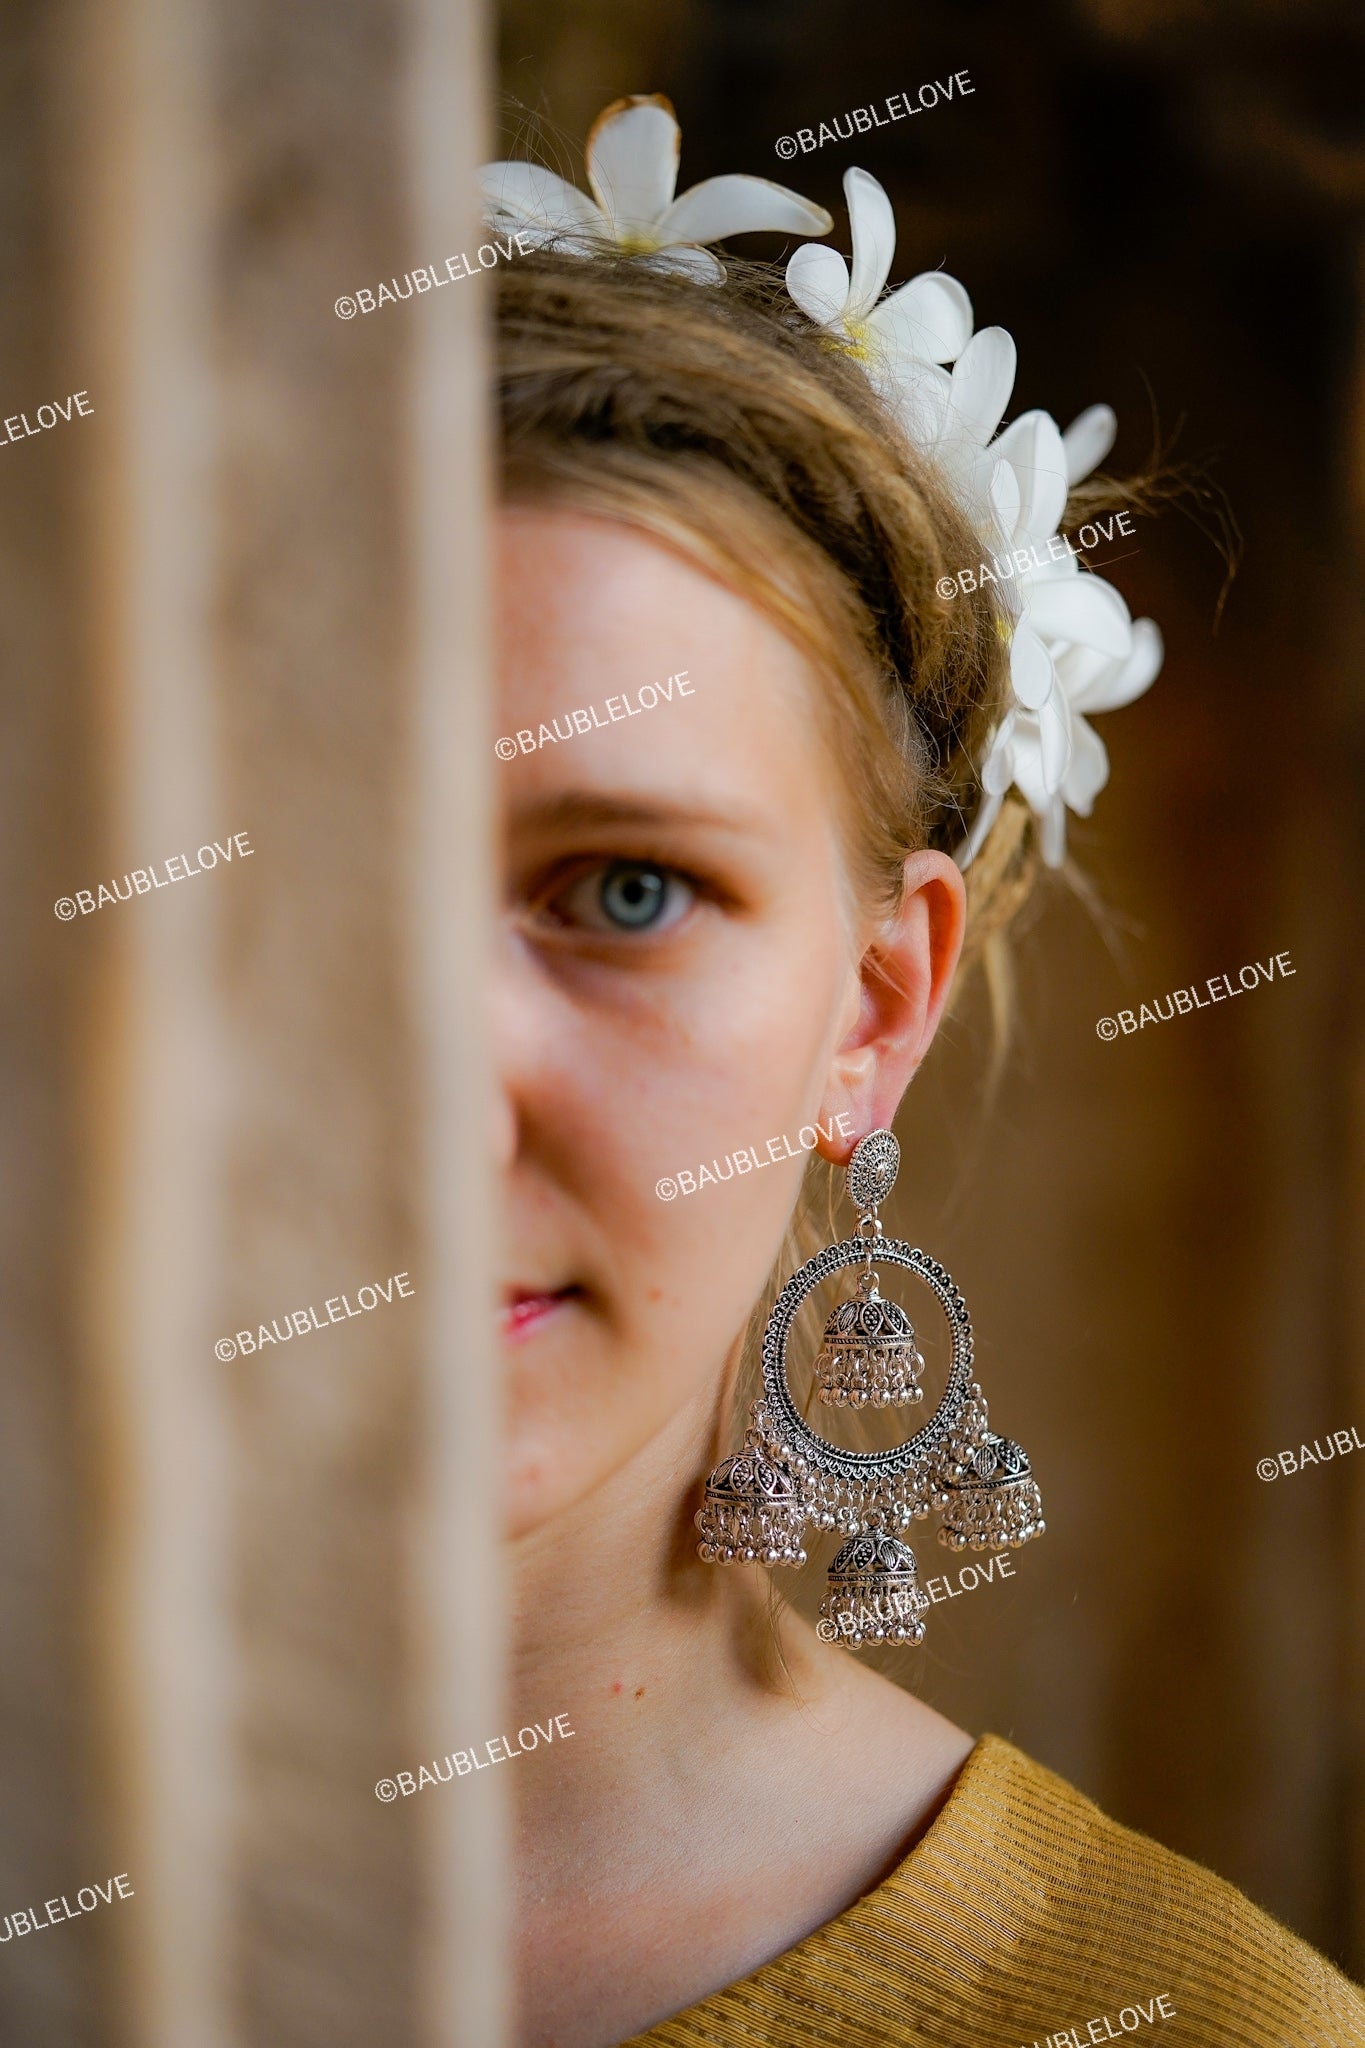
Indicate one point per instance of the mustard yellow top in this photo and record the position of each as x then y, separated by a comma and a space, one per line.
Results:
1024, 1918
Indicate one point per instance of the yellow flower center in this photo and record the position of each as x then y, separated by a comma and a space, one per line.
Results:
859, 340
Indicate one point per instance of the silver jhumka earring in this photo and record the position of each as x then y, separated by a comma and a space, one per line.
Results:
759, 1502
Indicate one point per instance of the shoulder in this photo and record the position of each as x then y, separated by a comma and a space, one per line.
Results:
1084, 1923
1024, 1915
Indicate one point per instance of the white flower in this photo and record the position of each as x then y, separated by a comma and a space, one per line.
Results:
1026, 750
951, 418
632, 156
927, 321
1074, 647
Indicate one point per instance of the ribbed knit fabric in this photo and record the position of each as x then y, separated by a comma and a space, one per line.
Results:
1020, 1914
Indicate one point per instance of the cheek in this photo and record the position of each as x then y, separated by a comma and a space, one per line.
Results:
633, 1088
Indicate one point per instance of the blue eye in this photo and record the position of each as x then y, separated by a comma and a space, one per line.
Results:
633, 897
627, 896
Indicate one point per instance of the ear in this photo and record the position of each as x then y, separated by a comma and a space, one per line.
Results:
904, 978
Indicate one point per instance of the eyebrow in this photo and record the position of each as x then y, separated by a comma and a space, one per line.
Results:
579, 808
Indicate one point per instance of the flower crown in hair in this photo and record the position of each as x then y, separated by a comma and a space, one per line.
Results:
1073, 646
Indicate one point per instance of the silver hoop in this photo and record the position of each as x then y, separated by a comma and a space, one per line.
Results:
826, 1457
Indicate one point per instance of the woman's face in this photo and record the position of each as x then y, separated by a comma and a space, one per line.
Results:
679, 980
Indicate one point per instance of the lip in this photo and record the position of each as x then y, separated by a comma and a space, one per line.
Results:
526, 1310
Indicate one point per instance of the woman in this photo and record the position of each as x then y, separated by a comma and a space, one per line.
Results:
734, 913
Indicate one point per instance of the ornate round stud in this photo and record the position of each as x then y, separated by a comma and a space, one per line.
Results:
871, 1171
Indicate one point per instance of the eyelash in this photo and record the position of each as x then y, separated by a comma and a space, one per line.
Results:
596, 878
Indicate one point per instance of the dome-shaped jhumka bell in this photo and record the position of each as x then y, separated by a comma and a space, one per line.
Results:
869, 1356
752, 1513
874, 1594
990, 1497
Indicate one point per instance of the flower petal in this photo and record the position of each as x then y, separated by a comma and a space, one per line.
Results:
632, 157
1005, 500
1089, 770
918, 393
985, 818
539, 201
982, 382
1031, 672
874, 239
1032, 445
1081, 608
739, 205
681, 259
930, 318
817, 278
1088, 440
1029, 777
1120, 683
1055, 741
997, 770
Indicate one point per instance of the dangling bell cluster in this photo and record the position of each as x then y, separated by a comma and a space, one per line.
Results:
758, 1504
752, 1512
869, 1357
988, 1494
874, 1594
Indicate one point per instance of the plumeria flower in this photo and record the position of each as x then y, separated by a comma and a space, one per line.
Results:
1028, 745
632, 155
1061, 604
951, 419
1073, 643
927, 321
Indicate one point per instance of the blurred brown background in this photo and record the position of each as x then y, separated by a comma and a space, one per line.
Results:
1160, 1238
239, 597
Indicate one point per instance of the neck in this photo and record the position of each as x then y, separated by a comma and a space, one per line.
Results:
621, 1627
695, 1827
